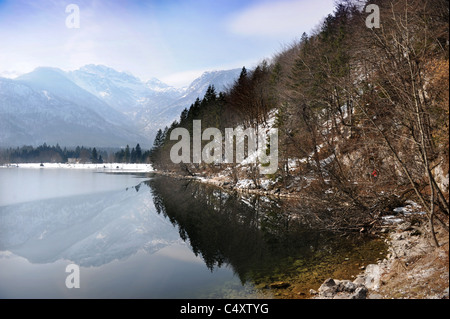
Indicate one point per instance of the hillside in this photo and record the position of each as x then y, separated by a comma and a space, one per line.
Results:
361, 115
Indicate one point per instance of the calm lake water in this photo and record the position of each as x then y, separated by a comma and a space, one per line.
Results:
146, 236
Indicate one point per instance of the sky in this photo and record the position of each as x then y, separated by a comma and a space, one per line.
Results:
172, 40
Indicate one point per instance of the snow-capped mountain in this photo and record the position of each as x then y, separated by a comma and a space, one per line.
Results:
122, 91
152, 104
93, 106
31, 116
55, 81
158, 117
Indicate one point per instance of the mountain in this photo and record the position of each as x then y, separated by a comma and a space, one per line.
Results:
94, 106
58, 84
123, 91
152, 104
197, 89
45, 106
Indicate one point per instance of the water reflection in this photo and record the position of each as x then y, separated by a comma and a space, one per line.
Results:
163, 237
261, 238
90, 230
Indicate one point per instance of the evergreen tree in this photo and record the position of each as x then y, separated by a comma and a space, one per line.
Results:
243, 76
210, 94
120, 156
127, 154
133, 156
138, 154
158, 139
94, 156
183, 116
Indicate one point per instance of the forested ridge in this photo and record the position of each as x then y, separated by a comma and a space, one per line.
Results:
362, 113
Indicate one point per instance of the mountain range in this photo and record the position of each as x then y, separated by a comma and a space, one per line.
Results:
94, 106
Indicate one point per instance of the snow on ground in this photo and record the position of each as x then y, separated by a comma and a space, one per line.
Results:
400, 212
141, 168
245, 184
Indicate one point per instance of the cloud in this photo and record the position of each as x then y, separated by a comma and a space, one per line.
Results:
281, 19
174, 42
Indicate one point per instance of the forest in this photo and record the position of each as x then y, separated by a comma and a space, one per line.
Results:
362, 113
55, 154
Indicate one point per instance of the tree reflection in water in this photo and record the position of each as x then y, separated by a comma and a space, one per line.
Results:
260, 238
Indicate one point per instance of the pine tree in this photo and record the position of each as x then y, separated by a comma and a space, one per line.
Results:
94, 156
242, 76
158, 139
127, 154
210, 94
183, 117
138, 154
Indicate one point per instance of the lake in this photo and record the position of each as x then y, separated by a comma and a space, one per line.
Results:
150, 236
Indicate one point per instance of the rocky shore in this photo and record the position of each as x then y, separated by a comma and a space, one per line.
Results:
413, 269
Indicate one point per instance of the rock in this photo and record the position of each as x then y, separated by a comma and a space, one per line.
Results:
329, 283
347, 286
328, 289
373, 276
342, 289
360, 293
312, 292
360, 280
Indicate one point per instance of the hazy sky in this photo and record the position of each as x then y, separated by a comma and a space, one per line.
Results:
174, 41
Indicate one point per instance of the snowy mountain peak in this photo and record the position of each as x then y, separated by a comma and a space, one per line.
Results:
44, 75
94, 105
105, 72
154, 82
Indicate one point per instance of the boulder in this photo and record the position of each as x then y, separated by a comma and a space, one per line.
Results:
360, 293
342, 289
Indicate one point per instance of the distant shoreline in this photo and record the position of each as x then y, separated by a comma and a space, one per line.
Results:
109, 167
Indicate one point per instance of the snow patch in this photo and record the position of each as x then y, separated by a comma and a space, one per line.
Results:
144, 168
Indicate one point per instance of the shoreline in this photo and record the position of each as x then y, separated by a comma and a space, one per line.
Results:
224, 183
107, 167
413, 268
